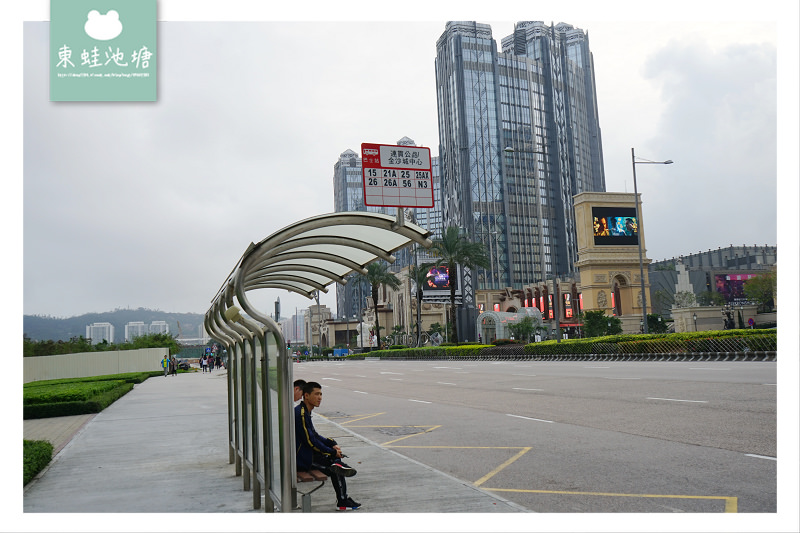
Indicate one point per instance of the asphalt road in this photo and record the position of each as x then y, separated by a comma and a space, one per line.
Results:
572, 436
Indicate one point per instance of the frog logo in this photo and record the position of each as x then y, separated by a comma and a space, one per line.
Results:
103, 27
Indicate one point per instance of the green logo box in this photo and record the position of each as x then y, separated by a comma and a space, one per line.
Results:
103, 51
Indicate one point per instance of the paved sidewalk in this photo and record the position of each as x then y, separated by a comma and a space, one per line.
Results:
162, 448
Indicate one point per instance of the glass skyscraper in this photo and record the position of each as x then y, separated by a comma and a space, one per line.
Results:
519, 136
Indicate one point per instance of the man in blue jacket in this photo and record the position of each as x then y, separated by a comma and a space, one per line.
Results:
315, 452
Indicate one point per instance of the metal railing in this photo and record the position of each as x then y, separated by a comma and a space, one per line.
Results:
260, 421
747, 347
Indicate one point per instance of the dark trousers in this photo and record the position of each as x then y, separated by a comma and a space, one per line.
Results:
323, 464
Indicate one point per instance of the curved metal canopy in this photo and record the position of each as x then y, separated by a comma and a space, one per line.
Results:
311, 254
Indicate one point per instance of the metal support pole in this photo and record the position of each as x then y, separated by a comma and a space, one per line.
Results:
639, 241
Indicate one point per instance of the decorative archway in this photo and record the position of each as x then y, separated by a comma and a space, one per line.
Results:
619, 290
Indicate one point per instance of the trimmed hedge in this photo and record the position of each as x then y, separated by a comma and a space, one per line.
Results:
36, 454
95, 404
430, 351
77, 396
693, 342
67, 392
131, 377
741, 340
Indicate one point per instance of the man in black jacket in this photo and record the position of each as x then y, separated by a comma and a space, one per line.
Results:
315, 452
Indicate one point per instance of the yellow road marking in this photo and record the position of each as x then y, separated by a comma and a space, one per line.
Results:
413, 435
465, 447
502, 466
363, 417
731, 502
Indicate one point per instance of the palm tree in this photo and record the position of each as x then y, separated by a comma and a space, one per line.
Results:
418, 274
454, 250
378, 274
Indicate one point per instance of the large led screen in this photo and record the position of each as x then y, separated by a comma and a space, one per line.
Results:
731, 287
438, 279
617, 226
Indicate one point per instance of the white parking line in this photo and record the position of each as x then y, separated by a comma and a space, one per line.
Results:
674, 400
761, 456
526, 375
534, 419
518, 388
397, 373
451, 367
418, 401
706, 368
597, 367
622, 378
332, 379
443, 383
360, 392
395, 379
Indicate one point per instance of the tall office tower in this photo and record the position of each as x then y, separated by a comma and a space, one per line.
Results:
348, 195
159, 326
519, 136
100, 331
135, 329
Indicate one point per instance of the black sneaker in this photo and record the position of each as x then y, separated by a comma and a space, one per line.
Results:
343, 469
347, 505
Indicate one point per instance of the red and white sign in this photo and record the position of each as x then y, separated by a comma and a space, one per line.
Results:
397, 176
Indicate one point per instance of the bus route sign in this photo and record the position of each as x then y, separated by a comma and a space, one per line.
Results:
397, 176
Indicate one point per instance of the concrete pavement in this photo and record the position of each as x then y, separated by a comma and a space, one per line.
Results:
162, 448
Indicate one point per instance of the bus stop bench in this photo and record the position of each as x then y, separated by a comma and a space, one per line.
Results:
310, 477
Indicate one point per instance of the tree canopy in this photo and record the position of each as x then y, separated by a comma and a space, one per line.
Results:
455, 250
377, 275
761, 290
81, 345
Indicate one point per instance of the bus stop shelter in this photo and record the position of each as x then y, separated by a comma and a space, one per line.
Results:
304, 257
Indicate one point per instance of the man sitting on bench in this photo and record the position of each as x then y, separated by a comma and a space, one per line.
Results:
315, 452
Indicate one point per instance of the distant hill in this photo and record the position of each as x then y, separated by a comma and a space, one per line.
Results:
42, 328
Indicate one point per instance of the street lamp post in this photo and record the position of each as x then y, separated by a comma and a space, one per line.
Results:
694, 317
640, 227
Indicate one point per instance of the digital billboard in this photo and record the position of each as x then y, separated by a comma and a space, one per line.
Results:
616, 226
438, 279
437, 283
731, 287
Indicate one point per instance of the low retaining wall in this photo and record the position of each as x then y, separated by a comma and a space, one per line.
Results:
87, 364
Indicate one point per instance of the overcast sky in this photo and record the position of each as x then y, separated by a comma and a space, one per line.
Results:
151, 204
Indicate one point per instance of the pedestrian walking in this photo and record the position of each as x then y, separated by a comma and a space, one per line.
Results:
204, 363
173, 365
210, 363
165, 365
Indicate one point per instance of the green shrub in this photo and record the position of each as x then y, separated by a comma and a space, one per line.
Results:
502, 342
701, 341
398, 347
93, 404
131, 377
36, 454
67, 392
